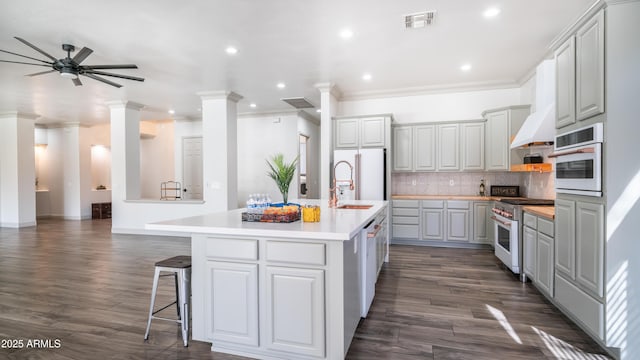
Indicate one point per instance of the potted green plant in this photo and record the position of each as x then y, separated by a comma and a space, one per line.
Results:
282, 173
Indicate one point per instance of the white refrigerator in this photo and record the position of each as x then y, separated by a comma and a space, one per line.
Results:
369, 174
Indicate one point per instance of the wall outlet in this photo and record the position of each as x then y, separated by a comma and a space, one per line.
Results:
451, 182
413, 182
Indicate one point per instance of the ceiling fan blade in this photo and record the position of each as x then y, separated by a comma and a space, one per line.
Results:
101, 79
25, 56
26, 63
82, 54
36, 48
124, 66
114, 75
41, 73
76, 82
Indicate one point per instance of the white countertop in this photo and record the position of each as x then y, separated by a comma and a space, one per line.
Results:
335, 224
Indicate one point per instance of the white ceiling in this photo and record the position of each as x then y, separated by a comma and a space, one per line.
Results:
179, 47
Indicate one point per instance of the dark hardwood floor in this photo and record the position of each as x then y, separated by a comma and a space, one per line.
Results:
83, 293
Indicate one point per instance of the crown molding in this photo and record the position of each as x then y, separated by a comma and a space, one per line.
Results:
575, 25
213, 95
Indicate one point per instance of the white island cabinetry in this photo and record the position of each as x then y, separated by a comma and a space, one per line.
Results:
278, 291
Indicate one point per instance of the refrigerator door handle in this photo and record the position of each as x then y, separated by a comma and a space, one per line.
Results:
358, 179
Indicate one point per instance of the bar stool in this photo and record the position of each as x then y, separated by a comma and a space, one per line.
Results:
180, 269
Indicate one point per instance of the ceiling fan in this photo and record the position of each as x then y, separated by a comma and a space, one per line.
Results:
70, 68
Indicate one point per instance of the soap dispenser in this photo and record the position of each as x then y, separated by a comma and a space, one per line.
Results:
482, 187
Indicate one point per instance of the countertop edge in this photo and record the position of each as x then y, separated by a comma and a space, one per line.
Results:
543, 211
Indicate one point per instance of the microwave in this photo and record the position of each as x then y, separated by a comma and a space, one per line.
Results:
578, 155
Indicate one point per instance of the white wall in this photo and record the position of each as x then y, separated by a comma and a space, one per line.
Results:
312, 130
433, 107
157, 160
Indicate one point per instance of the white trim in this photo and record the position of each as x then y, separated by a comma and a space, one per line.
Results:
580, 192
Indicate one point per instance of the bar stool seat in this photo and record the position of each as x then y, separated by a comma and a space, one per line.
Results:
180, 268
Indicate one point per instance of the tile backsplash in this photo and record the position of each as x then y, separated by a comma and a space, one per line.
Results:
532, 185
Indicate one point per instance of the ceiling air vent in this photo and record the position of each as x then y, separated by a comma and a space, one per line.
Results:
298, 103
419, 20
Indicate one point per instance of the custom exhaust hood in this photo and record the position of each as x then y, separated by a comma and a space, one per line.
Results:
540, 126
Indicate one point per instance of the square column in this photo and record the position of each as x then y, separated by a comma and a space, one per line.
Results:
125, 150
17, 170
76, 163
220, 149
329, 108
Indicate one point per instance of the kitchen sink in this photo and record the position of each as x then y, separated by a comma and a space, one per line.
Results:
355, 206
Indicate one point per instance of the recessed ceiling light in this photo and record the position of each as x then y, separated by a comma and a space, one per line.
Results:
366, 77
318, 110
465, 67
172, 111
346, 33
252, 105
491, 12
231, 50
281, 85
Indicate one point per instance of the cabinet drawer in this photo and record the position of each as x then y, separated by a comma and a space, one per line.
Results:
545, 226
410, 220
433, 204
405, 231
405, 212
531, 221
583, 307
294, 252
406, 204
241, 249
457, 204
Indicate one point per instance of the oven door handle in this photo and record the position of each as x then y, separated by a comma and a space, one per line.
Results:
571, 152
501, 222
374, 233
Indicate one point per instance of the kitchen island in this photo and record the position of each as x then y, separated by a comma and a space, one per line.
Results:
278, 290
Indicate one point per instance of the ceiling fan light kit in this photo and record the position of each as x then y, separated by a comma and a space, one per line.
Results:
70, 68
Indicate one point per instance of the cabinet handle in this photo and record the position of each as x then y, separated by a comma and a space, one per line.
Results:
577, 151
501, 222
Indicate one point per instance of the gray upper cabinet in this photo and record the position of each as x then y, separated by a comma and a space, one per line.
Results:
448, 147
372, 132
347, 133
497, 151
425, 147
402, 148
353, 133
565, 84
590, 68
472, 135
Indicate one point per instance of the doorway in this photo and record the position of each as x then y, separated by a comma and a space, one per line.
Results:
192, 168
303, 168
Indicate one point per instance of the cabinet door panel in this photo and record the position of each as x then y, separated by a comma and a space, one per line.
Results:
590, 247
457, 225
372, 132
544, 264
565, 237
402, 149
295, 310
425, 147
448, 147
233, 295
590, 68
347, 132
472, 146
530, 247
498, 132
433, 224
565, 84
480, 216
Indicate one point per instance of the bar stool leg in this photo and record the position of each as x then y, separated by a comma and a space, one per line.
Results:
175, 277
153, 301
183, 300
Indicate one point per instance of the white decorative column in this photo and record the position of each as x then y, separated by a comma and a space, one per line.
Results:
220, 149
17, 170
125, 152
76, 163
329, 108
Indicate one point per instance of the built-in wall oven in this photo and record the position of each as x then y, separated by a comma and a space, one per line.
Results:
578, 157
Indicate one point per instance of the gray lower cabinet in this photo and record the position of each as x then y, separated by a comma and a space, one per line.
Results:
530, 245
405, 219
579, 262
433, 220
458, 220
481, 223
544, 264
538, 252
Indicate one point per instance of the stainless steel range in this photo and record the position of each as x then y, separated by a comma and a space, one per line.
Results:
507, 220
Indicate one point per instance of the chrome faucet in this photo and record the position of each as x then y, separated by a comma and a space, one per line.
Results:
333, 196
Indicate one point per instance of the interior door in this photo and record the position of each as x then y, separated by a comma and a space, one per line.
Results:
192, 168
